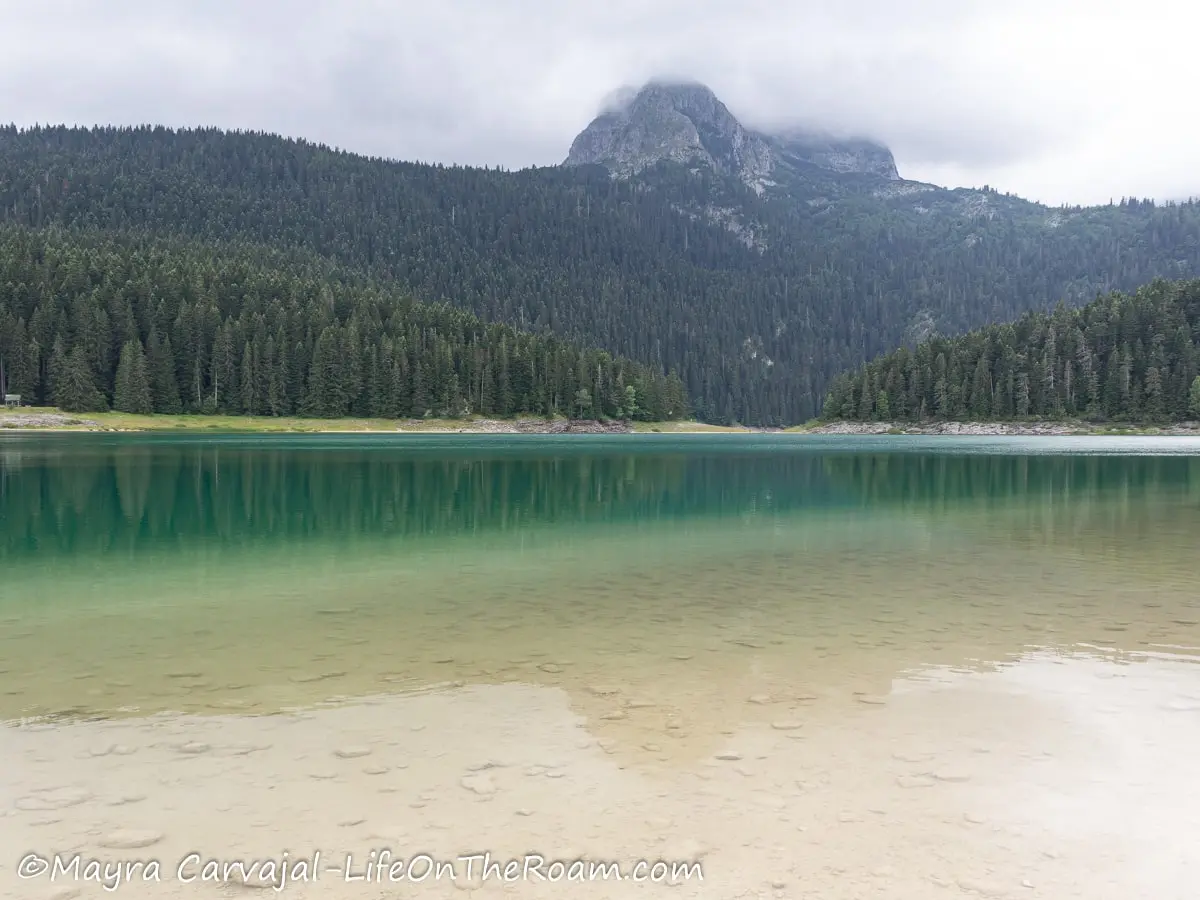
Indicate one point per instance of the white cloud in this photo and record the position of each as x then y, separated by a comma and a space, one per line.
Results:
1059, 100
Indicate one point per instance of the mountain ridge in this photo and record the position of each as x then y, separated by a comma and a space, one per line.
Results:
756, 299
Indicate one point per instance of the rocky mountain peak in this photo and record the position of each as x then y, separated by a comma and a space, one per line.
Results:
678, 121
685, 122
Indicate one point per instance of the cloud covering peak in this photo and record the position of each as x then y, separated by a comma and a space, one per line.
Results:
1059, 100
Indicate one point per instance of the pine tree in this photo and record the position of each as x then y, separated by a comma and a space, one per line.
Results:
164, 388
883, 407
377, 382
249, 399
420, 393
318, 399
297, 364
941, 400
1153, 410
398, 393
22, 363
132, 391
1194, 399
629, 407
54, 369
222, 368
75, 390
276, 393
1021, 403
866, 403
583, 402
981, 389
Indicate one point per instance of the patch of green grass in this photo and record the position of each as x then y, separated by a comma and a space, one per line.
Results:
686, 428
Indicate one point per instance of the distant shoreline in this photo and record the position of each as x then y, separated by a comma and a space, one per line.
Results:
50, 419
1001, 429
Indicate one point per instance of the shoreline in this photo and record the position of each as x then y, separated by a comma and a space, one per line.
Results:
50, 419
1070, 428
45, 419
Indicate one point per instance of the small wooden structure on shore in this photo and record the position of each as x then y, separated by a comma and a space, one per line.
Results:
12, 400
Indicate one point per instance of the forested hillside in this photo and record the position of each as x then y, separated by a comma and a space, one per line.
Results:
757, 301
89, 320
1124, 357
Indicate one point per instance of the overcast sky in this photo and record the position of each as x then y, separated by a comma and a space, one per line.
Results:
1075, 101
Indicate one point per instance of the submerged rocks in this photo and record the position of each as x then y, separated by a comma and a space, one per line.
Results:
952, 775
112, 750
478, 783
980, 887
130, 839
53, 799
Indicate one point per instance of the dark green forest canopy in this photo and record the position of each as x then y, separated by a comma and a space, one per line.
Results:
1123, 357
89, 320
756, 301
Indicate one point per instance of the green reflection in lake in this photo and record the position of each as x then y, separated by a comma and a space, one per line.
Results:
247, 572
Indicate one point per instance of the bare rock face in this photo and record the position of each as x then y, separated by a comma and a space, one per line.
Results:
844, 156
683, 123
686, 123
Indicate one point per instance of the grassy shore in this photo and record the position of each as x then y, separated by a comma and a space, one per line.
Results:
51, 419
691, 428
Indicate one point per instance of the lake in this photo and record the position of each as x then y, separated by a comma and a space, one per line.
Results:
818, 666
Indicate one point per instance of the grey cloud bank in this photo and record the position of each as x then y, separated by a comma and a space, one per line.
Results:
1059, 101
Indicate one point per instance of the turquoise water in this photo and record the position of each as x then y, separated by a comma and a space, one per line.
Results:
284, 558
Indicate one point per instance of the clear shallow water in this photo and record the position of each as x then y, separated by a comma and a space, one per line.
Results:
854, 617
